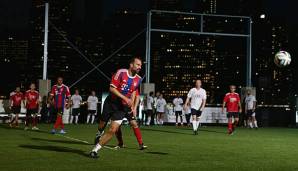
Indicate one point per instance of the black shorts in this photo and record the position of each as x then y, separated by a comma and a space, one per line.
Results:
31, 112
92, 112
249, 113
16, 109
113, 109
198, 113
178, 113
233, 114
149, 112
75, 111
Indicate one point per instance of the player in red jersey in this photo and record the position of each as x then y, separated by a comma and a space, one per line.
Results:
32, 104
122, 102
233, 104
58, 96
16, 99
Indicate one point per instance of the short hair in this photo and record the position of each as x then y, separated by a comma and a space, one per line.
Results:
132, 60
151, 93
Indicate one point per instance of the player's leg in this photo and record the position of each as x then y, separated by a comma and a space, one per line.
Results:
11, 120
230, 124
119, 138
35, 119
194, 120
254, 120
198, 117
236, 120
137, 132
17, 120
107, 136
181, 119
149, 113
93, 117
161, 118
27, 119
88, 116
176, 114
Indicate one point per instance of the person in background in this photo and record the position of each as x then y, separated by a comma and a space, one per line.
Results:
144, 110
250, 107
76, 101
187, 113
149, 104
15, 100
160, 108
32, 105
92, 107
178, 102
154, 116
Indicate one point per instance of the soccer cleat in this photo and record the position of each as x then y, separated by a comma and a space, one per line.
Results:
93, 154
143, 147
53, 131
119, 146
98, 136
26, 128
35, 128
62, 131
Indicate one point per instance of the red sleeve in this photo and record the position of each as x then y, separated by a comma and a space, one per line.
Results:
11, 97
53, 91
67, 92
226, 98
115, 82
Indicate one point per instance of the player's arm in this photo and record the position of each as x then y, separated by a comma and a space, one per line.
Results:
136, 101
223, 106
186, 103
240, 108
121, 96
255, 105
203, 105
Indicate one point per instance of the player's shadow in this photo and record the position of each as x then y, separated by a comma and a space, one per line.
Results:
55, 149
165, 131
59, 141
157, 153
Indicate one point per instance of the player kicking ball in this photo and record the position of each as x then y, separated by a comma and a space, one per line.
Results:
197, 98
233, 104
121, 101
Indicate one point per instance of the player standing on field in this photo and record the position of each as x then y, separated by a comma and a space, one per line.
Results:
233, 104
57, 98
160, 108
92, 107
122, 102
76, 101
250, 107
150, 104
32, 104
198, 97
178, 102
15, 100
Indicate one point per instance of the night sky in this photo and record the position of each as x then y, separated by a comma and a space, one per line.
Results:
15, 14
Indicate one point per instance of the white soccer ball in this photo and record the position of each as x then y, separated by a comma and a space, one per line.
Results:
282, 59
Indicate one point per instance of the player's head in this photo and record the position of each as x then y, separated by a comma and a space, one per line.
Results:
157, 94
59, 80
151, 93
198, 83
32, 86
18, 89
160, 96
135, 65
77, 91
232, 88
248, 92
93, 93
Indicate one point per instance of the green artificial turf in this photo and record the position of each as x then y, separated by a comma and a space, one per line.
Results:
170, 148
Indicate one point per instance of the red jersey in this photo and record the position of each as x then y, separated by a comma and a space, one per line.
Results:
32, 98
16, 98
232, 100
125, 84
60, 94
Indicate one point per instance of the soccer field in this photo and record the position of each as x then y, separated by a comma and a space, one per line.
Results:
170, 148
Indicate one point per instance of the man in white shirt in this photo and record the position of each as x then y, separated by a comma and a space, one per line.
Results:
250, 107
149, 112
178, 102
76, 101
198, 101
92, 107
160, 108
154, 116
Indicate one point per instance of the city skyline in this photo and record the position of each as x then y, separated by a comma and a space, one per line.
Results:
125, 22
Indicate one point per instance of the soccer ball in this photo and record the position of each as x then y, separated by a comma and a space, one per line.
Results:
282, 59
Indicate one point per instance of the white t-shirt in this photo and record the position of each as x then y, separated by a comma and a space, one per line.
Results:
178, 104
149, 102
160, 105
92, 102
76, 101
197, 97
249, 102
